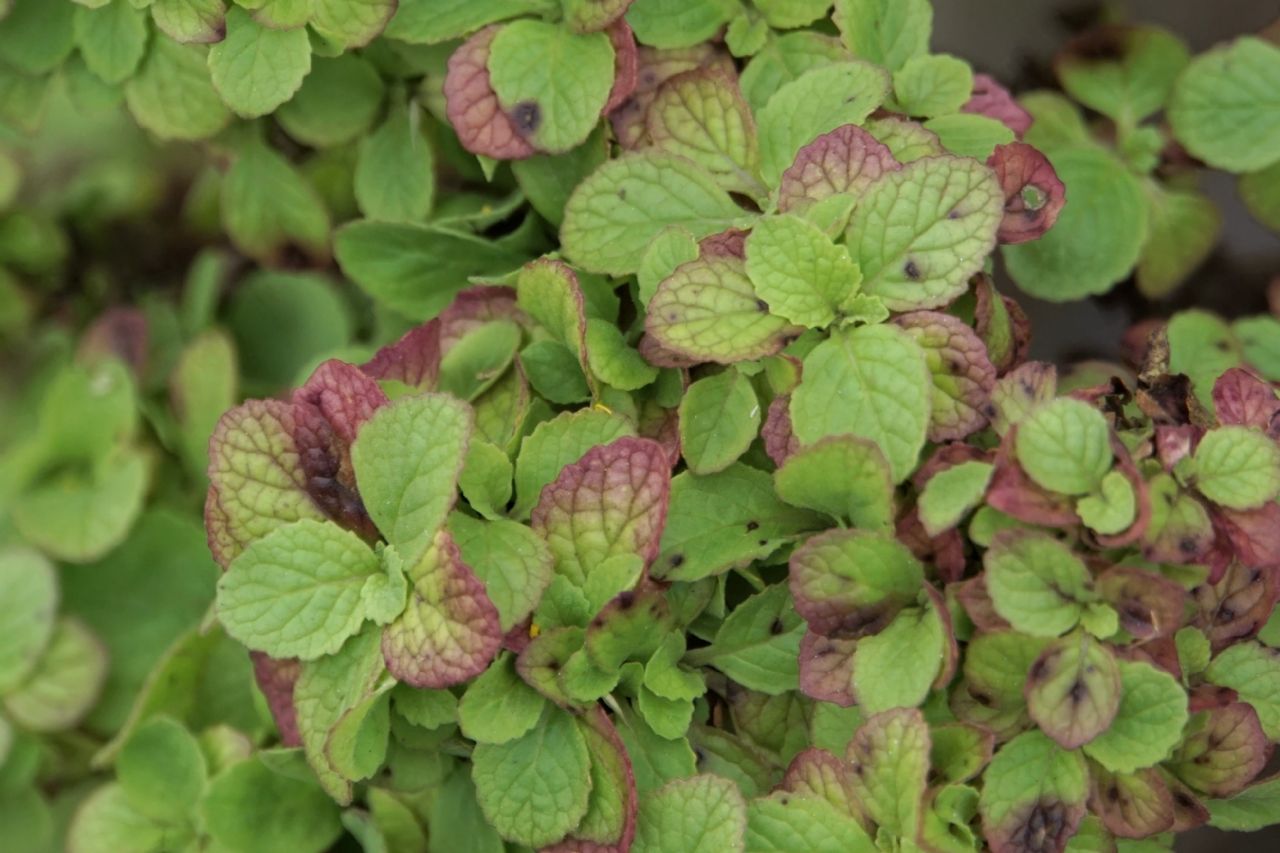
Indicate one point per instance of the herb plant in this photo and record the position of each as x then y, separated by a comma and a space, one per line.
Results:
674, 478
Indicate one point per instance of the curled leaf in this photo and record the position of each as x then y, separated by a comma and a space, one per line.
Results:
1033, 194
963, 376
993, 100
472, 104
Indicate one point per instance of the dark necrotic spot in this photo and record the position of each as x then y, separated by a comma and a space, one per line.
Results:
753, 525
775, 627
912, 270
762, 306
677, 560
626, 600
526, 116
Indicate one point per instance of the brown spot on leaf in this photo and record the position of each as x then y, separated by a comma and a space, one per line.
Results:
527, 117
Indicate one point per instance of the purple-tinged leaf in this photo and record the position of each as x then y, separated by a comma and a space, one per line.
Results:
1252, 536
276, 679
1143, 511
779, 439
1033, 796
472, 105
819, 774
630, 627
844, 160
946, 551
610, 823
653, 68
257, 481
1020, 391
450, 630
826, 669
976, 601
1150, 605
963, 376
474, 307
543, 658
626, 64
1237, 605
993, 100
1222, 750
1239, 397
1131, 805
1001, 324
1180, 530
611, 501
850, 583
413, 360
1188, 811
118, 333
328, 412
1012, 492
960, 751
1033, 193
1073, 689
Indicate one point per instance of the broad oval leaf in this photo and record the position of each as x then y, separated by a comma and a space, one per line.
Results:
1073, 690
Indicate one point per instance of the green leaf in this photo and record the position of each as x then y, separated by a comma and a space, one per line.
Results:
920, 232
409, 502
162, 770
172, 94
511, 560
758, 643
1036, 582
1073, 690
107, 822
724, 521
1184, 226
1065, 446
871, 382
296, 591
949, 495
1251, 670
1237, 467
799, 271
708, 310
1148, 725
37, 36
1111, 509
719, 418
434, 21
1259, 336
65, 682
676, 23
330, 690
1033, 786
1252, 809
284, 324
886, 32
549, 179
817, 101
475, 362
87, 411
187, 21
1202, 346
932, 85
890, 757
256, 810
969, 135
783, 59
499, 706
701, 115
701, 814
351, 23
1131, 80
535, 789
395, 171
202, 387
896, 667
1261, 193
551, 81
79, 516
614, 213
112, 39
781, 823
1098, 236
1224, 108
267, 206
559, 442
337, 103
844, 476
485, 479
613, 361
256, 69
416, 270
28, 607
